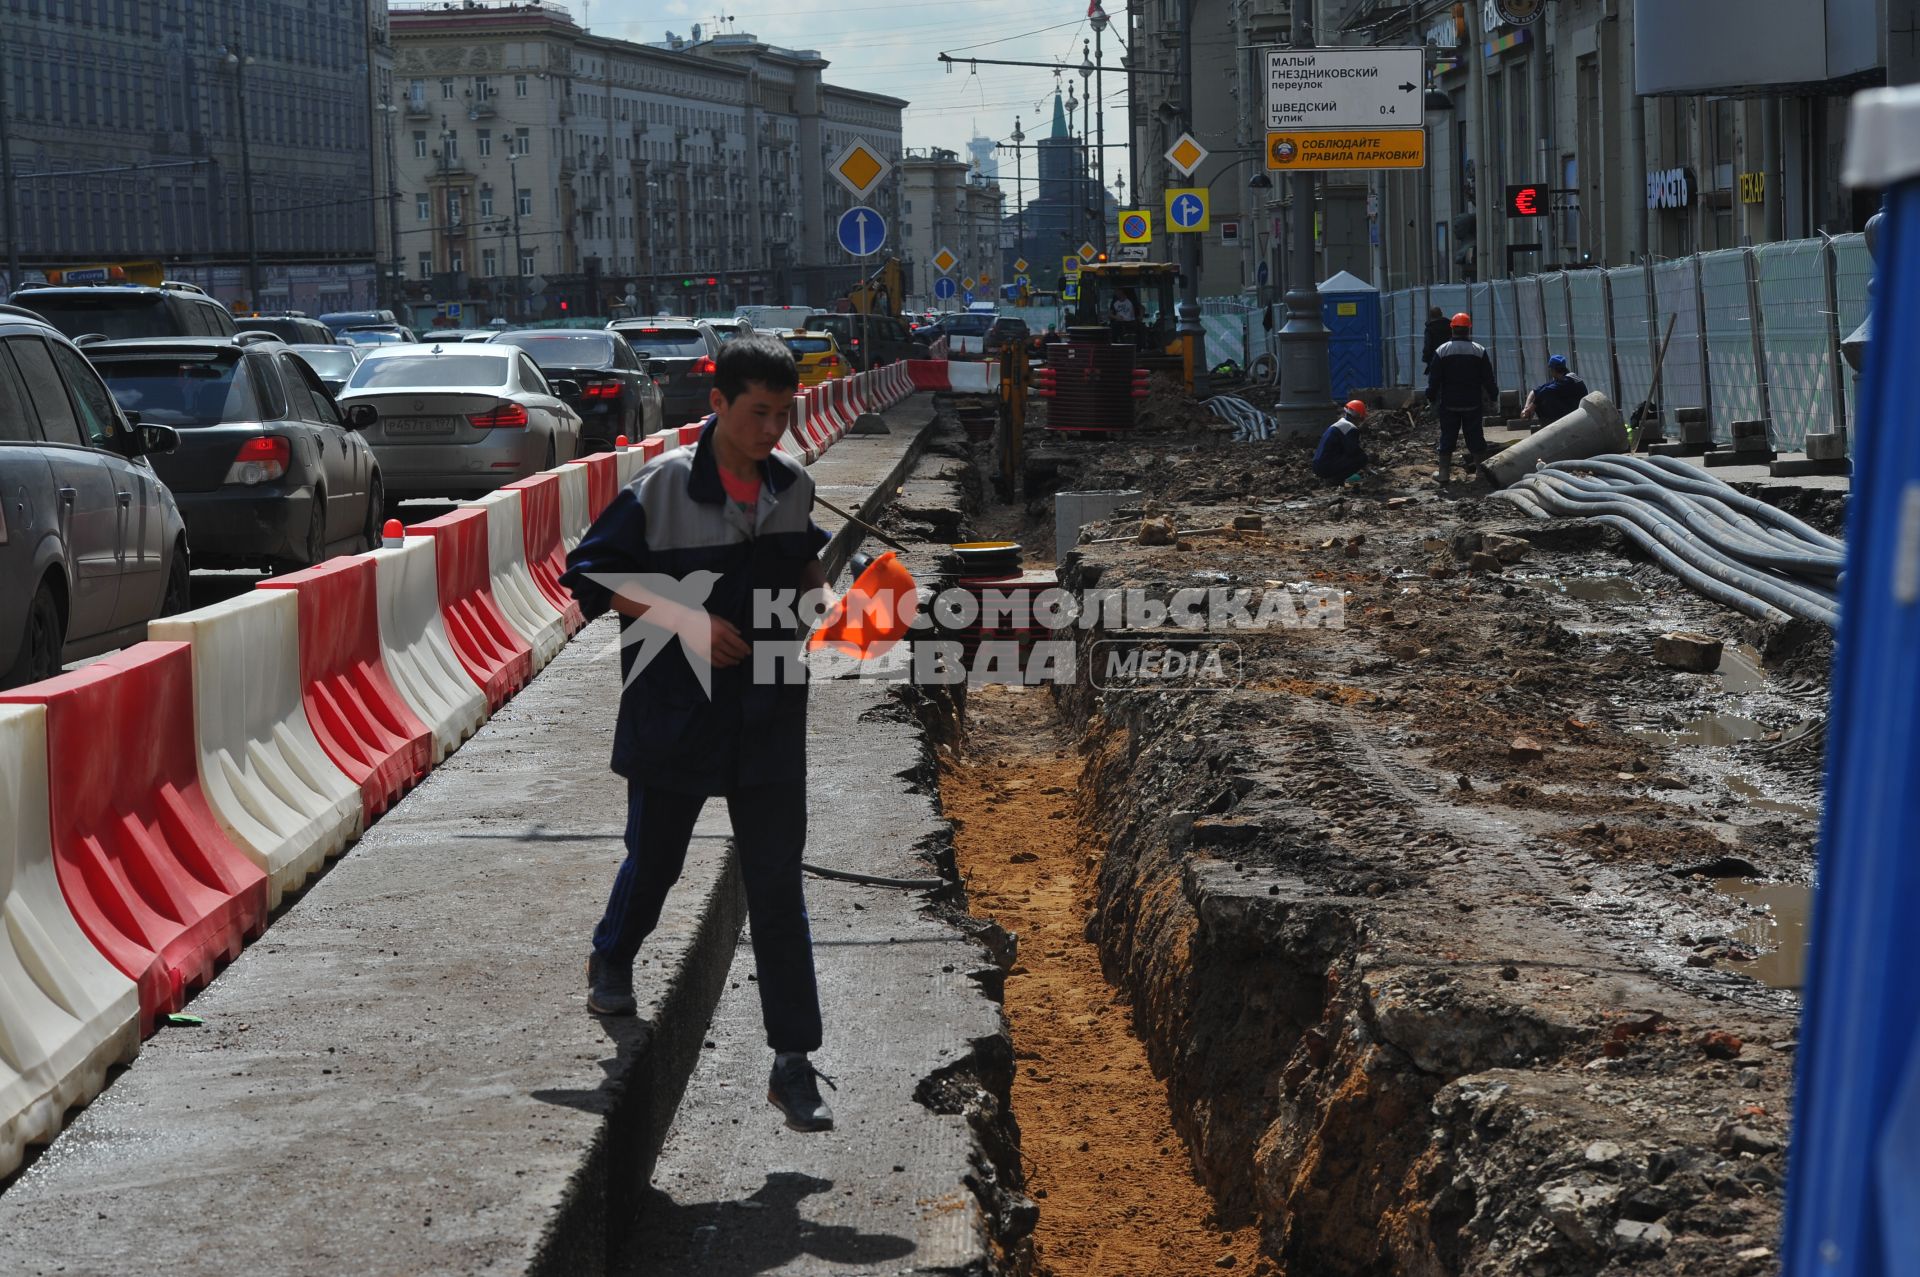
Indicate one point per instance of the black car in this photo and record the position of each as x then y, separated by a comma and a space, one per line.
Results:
679, 355
334, 362
1007, 331
869, 341
268, 471
616, 395
292, 327
122, 311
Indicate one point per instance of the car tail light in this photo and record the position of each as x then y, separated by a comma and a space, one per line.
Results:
704, 368
508, 416
601, 390
261, 460
833, 361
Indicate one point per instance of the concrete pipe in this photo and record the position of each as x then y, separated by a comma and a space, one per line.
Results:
1591, 430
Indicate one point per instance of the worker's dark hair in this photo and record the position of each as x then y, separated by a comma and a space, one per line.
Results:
1434, 312
753, 359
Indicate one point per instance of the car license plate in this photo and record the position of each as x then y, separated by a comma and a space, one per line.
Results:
420, 425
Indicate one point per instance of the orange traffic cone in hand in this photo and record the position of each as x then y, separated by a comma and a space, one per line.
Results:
875, 612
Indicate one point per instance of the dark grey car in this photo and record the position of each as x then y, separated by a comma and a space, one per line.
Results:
129, 310
679, 355
92, 545
269, 471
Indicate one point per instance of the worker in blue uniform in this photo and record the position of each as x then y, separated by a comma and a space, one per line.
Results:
1560, 395
1341, 457
1460, 385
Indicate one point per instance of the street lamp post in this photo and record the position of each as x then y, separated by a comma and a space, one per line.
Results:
519, 254
1086, 138
240, 61
1019, 188
1100, 116
8, 225
1187, 324
396, 299
1306, 388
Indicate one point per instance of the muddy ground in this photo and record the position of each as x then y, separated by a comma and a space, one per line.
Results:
1439, 928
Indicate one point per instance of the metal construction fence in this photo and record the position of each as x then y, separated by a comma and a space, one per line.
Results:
1756, 332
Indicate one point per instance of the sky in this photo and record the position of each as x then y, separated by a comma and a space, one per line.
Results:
894, 48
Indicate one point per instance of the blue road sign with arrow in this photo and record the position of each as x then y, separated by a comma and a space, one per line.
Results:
862, 231
1187, 210
944, 288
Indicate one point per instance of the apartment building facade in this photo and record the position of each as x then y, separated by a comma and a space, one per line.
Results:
136, 130
946, 203
549, 171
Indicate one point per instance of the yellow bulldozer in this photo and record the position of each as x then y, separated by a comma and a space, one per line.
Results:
1153, 288
879, 293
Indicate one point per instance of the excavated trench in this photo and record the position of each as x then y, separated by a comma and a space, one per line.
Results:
1319, 974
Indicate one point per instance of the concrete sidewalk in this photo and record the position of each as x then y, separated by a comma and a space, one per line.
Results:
400, 1077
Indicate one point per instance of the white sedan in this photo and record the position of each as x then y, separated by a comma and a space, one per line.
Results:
460, 419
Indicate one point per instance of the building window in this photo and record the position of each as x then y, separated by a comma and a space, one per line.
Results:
423, 207
426, 266
452, 140
523, 204
522, 142
489, 263
456, 261
482, 88
519, 86
486, 143
486, 201
447, 91
419, 145
453, 208
526, 262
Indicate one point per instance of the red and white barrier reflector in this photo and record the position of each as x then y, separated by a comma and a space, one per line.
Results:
274, 790
67, 1015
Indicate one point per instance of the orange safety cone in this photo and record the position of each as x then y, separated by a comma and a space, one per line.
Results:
875, 612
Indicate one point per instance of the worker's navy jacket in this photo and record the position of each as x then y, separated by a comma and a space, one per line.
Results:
1461, 378
675, 520
1558, 398
1339, 455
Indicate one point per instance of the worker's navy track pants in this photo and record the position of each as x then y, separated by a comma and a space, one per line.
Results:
1454, 422
769, 834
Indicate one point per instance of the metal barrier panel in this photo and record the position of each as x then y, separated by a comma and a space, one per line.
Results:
1509, 358
1559, 321
1531, 300
1401, 341
1793, 302
1674, 298
1632, 358
1729, 320
1853, 272
1450, 298
1587, 317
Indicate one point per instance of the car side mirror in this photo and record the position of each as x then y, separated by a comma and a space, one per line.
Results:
565, 389
361, 415
152, 441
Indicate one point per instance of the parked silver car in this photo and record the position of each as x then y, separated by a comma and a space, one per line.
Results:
461, 419
92, 546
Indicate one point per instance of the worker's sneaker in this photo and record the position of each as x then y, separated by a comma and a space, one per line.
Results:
609, 987
791, 1089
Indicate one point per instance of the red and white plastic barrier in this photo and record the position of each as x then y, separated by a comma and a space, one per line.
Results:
362, 722
161, 892
67, 1015
574, 519
491, 651
419, 655
954, 376
520, 600
546, 559
275, 791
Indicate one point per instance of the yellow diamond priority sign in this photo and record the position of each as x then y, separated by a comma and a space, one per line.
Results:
944, 261
859, 168
1020, 266
1186, 154
1088, 252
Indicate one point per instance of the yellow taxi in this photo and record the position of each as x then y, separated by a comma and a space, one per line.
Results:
817, 354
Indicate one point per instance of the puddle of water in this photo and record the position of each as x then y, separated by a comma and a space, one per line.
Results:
1740, 672
1757, 798
1712, 730
1598, 589
1779, 936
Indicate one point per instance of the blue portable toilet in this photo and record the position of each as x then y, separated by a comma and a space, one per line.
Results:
1356, 352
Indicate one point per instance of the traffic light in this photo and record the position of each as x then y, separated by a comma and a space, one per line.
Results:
563, 305
712, 282
1528, 201
686, 283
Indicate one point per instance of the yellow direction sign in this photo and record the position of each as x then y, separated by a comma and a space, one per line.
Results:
1186, 154
1187, 211
1136, 226
859, 168
1020, 266
1322, 150
944, 261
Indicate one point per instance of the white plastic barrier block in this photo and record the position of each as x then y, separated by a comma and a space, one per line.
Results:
269, 782
67, 1015
573, 505
521, 602
629, 465
413, 641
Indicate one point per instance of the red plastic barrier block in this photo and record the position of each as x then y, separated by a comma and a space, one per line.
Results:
491, 651
928, 374
603, 480
651, 447
546, 553
690, 433
359, 716
142, 862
